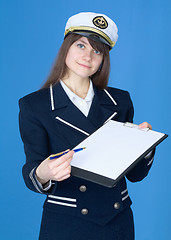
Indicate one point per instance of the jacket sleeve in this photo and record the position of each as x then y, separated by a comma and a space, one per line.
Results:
140, 171
35, 140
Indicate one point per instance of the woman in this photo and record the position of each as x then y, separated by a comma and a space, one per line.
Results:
73, 103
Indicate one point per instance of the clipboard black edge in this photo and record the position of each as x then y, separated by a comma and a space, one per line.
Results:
109, 182
93, 177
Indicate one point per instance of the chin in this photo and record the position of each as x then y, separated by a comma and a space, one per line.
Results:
81, 75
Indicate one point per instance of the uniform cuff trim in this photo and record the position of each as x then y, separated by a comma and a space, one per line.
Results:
32, 177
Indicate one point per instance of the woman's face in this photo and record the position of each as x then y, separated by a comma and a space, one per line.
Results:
82, 60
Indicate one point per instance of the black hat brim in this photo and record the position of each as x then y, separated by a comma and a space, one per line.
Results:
91, 35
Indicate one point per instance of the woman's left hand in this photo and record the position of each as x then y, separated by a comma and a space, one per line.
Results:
145, 125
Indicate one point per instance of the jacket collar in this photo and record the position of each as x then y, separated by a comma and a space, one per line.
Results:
59, 98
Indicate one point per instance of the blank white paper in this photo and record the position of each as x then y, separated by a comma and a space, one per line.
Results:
113, 148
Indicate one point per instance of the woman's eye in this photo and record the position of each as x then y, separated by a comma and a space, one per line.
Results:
97, 52
80, 45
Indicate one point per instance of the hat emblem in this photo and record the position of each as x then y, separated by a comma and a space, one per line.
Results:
100, 22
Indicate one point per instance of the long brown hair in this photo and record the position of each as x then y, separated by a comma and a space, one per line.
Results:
59, 69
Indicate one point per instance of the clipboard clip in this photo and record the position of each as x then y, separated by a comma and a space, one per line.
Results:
132, 125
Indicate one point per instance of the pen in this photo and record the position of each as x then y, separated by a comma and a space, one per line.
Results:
63, 153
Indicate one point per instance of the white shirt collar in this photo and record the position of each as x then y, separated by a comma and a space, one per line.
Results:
90, 93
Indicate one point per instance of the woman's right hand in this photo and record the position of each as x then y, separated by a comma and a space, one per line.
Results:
57, 169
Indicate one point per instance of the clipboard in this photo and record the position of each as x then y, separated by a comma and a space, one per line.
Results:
112, 151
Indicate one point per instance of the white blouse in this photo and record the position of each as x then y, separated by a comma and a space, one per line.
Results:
82, 104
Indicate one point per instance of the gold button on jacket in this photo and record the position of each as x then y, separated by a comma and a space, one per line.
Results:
83, 188
84, 211
117, 205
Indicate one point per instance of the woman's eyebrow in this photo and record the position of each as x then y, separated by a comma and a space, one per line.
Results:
83, 42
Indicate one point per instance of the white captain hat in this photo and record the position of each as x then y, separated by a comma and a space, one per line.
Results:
96, 26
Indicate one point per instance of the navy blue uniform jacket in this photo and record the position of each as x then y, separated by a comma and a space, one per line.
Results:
51, 123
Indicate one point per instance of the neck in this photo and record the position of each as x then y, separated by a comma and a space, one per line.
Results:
77, 85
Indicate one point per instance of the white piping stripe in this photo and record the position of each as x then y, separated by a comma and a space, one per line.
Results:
125, 197
126, 190
114, 114
51, 97
60, 203
110, 97
150, 162
63, 198
33, 181
69, 124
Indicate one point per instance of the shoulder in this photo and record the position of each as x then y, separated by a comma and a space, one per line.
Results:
119, 95
36, 100
117, 92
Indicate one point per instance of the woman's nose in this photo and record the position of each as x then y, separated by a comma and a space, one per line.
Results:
87, 55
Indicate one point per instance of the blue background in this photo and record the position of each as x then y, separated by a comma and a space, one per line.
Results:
31, 33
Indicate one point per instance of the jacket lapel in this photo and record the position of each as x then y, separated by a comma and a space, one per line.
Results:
67, 113
102, 108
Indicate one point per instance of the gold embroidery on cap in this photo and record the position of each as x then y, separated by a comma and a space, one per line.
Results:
100, 22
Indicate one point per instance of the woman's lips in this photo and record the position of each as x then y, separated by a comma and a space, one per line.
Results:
83, 65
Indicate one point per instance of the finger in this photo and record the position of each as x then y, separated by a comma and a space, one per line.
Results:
64, 177
56, 162
62, 166
145, 125
62, 173
142, 125
68, 155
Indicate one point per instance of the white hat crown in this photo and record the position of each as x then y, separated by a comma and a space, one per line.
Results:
97, 23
